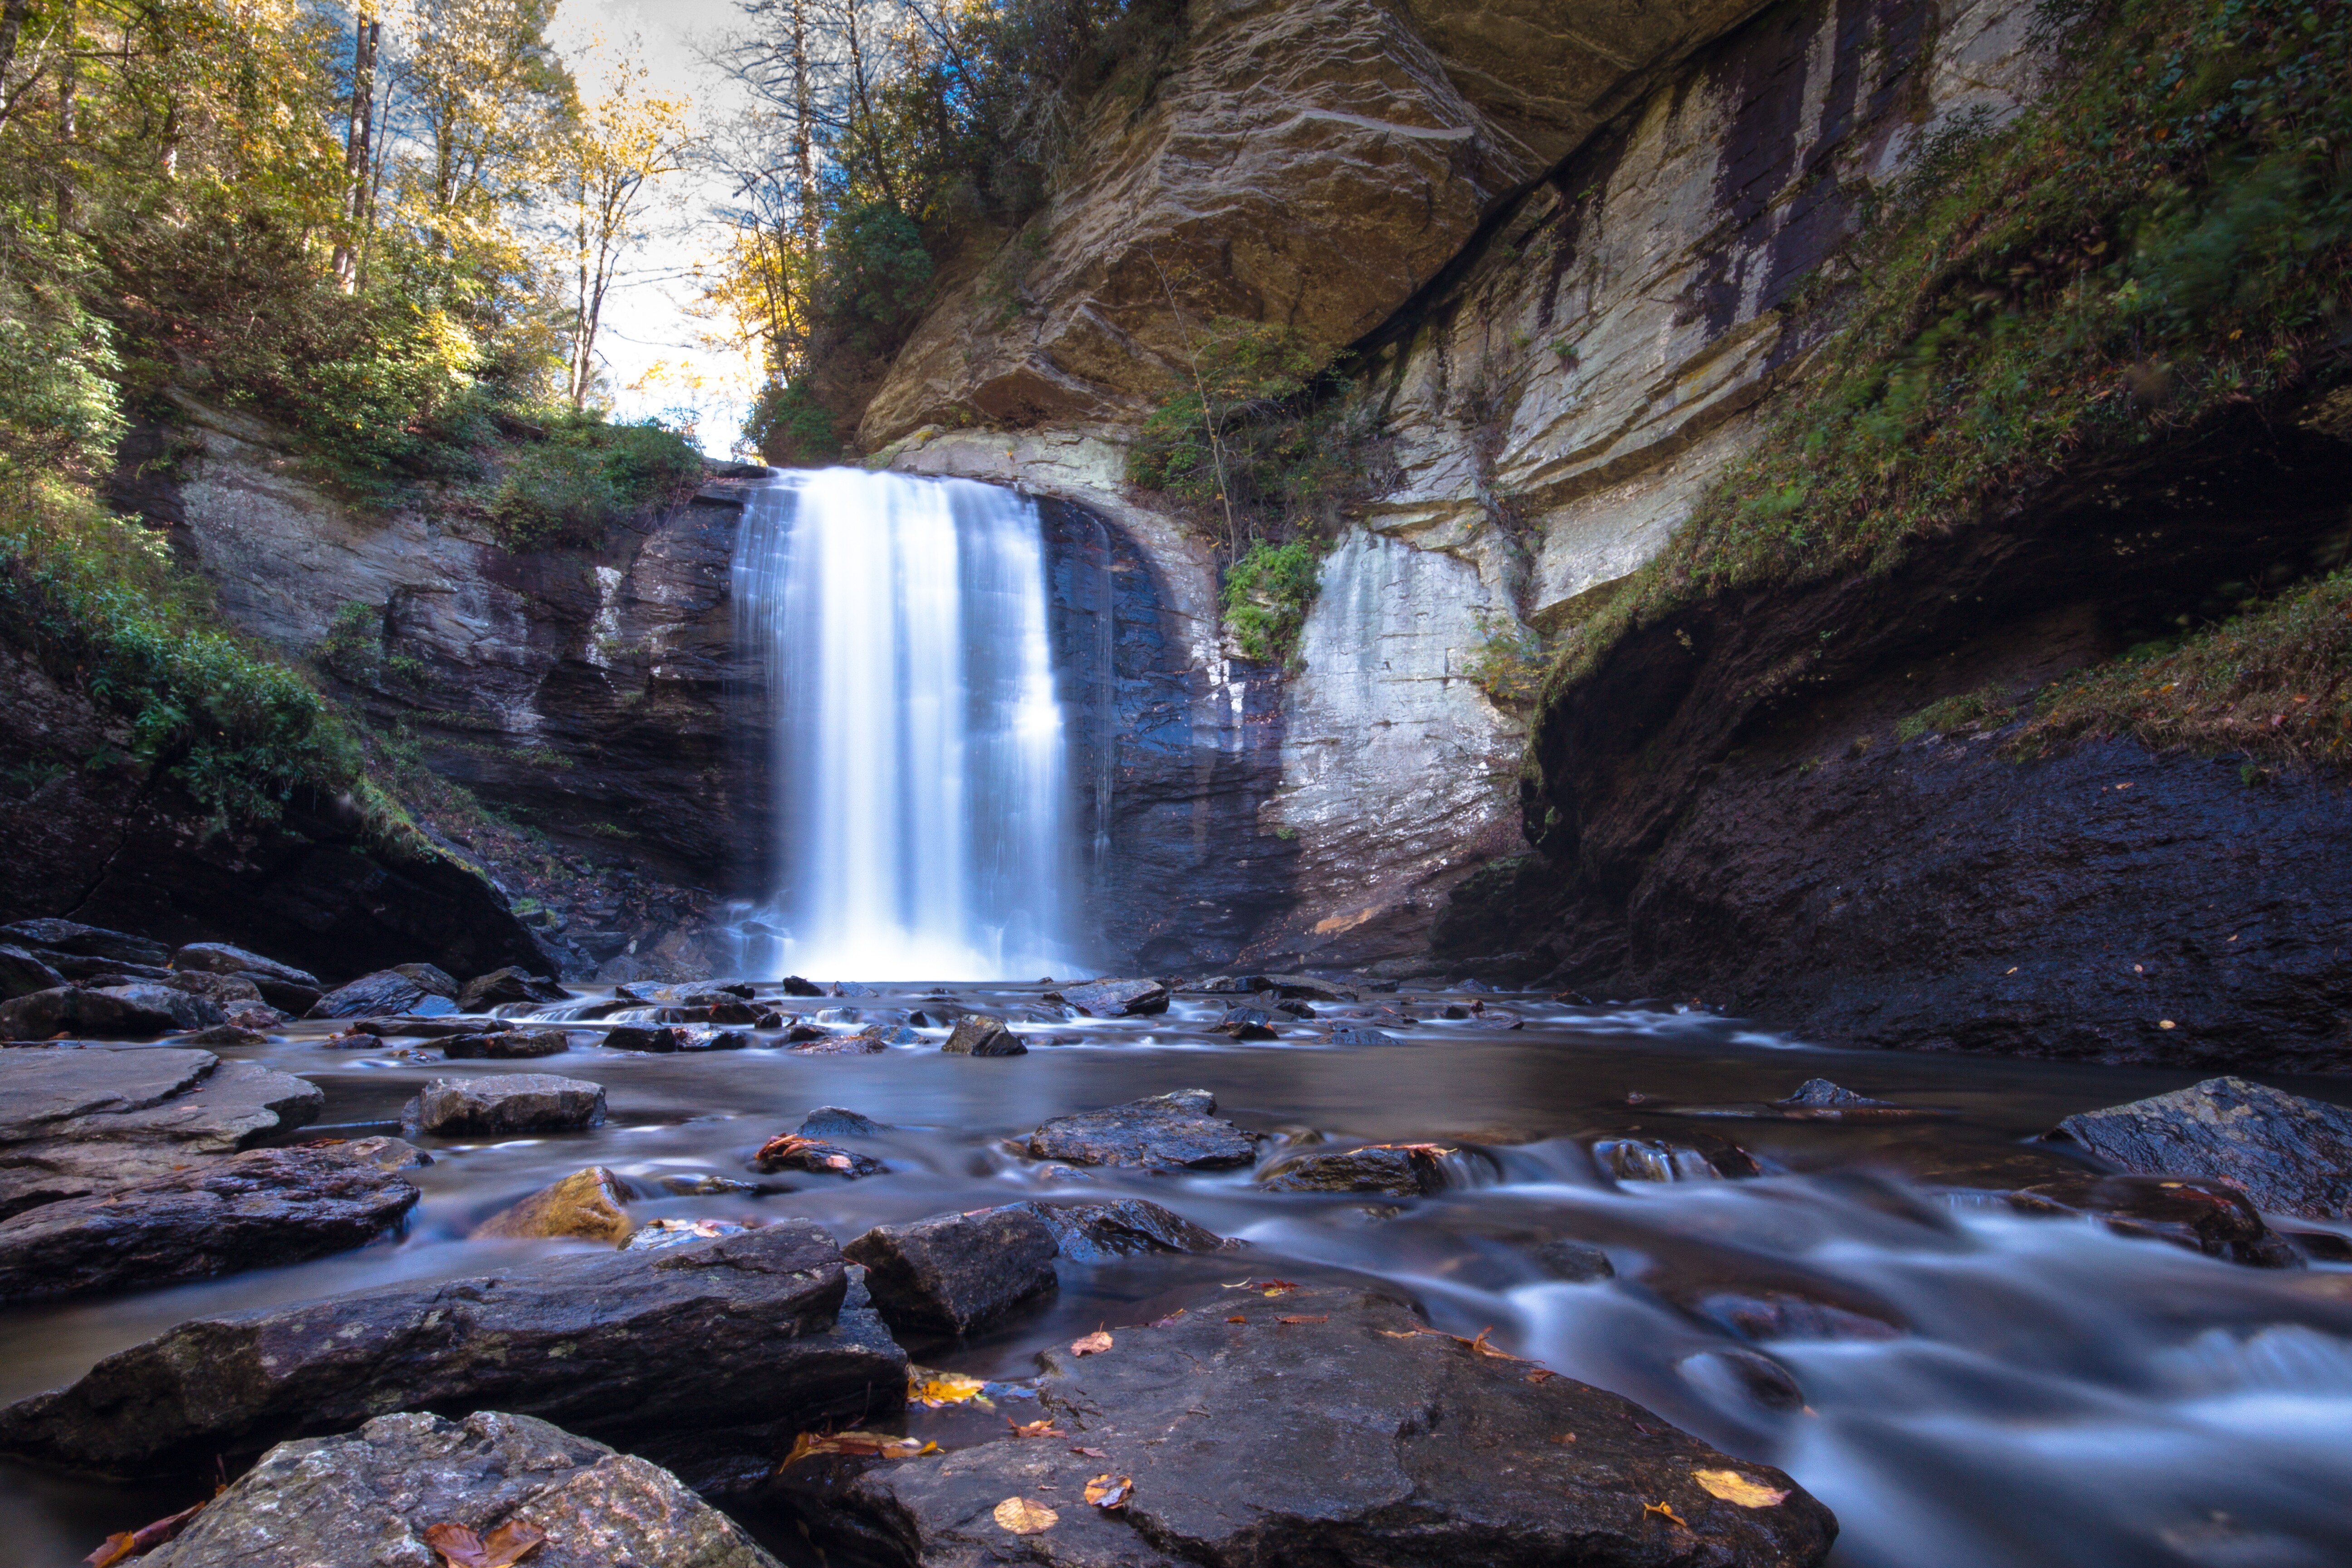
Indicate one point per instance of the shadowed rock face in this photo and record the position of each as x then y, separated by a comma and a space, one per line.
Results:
2289, 1154
1164, 1133
952, 1273
1384, 1444
680, 1347
369, 1496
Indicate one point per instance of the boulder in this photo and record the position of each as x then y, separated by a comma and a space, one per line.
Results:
1658, 1159
506, 1104
21, 974
403, 988
1248, 1024
858, 1045
1121, 1228
2201, 1215
978, 1035
384, 1493
791, 1151
296, 1000
88, 941
409, 1026
709, 1348
586, 1204
77, 1120
1118, 998
233, 1033
1574, 1261
120, 1013
659, 1038
2289, 1154
385, 1154
1333, 1427
255, 1210
952, 1273
509, 986
1300, 988
229, 993
1359, 1035
1403, 1170
186, 1010
793, 985
1164, 1133
833, 1122
507, 1044
220, 958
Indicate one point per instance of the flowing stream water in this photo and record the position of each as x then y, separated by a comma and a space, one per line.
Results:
921, 798
1971, 1387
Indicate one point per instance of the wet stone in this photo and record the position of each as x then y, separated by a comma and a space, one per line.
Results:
507, 1044
87, 942
1122, 1227
1118, 998
1403, 1170
1385, 1446
832, 1045
409, 1027
508, 1104
793, 985
256, 1210
708, 1186
1657, 1160
2288, 1153
403, 988
510, 986
371, 1496
1574, 1261
1768, 1315
978, 1035
1359, 1035
589, 1203
1300, 988
1163, 1132
118, 1013
21, 974
642, 1037
2200, 1215
1248, 1024
220, 958
791, 1151
952, 1273
833, 1122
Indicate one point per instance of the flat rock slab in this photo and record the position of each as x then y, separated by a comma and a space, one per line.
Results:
371, 1496
77, 1120
952, 1273
1346, 1436
220, 958
506, 1045
1118, 998
2290, 1154
675, 1346
1165, 1133
112, 1012
1122, 1227
509, 986
88, 941
255, 1210
509, 1102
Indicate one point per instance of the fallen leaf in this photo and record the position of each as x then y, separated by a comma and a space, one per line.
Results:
1303, 1318
1666, 1509
1093, 1345
937, 1388
1398, 1333
1432, 1150
1732, 1486
1108, 1491
1170, 1318
1541, 1376
1272, 1286
863, 1444
1090, 1453
1025, 1516
1237, 1320
1565, 1438
461, 1548
1034, 1428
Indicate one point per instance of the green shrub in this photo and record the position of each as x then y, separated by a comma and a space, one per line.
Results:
790, 427
1508, 663
1955, 712
1267, 593
566, 490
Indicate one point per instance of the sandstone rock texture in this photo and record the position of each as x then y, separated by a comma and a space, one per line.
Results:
78, 1120
373, 1495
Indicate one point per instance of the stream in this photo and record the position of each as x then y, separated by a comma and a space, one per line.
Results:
1962, 1385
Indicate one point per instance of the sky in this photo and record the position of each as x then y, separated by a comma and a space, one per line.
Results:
648, 325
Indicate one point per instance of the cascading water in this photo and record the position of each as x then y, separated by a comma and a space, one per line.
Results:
921, 825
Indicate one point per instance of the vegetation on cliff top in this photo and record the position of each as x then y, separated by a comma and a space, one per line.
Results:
2166, 234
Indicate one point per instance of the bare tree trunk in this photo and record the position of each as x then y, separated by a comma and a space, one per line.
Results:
367, 34
68, 109
804, 132
12, 27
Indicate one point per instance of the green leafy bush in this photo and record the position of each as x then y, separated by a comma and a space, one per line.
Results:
788, 425
1267, 593
1954, 712
566, 490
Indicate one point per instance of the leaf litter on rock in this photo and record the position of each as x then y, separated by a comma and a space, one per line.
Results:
861, 1445
933, 1389
1045, 1428
1093, 1345
1668, 1510
1304, 1318
1734, 1487
1025, 1516
1108, 1491
460, 1548
125, 1544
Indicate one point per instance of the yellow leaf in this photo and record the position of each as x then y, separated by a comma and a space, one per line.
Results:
937, 1388
1108, 1491
1024, 1516
1034, 1428
1093, 1345
864, 1444
1666, 1509
1732, 1486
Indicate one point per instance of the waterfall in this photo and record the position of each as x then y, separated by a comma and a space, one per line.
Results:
919, 768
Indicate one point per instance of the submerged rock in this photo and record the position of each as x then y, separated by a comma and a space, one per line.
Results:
1163, 1132
2203, 1216
1248, 1024
403, 988
510, 986
792, 1152
589, 1204
1403, 1170
373, 1495
955, 1272
1577, 1262
509, 1102
700, 1348
1815, 1100
1658, 1159
501, 1045
75, 1119
978, 1035
1359, 1035
1118, 998
833, 1122
255, 1210
828, 1045
2290, 1154
1122, 1227
642, 1037
1330, 1428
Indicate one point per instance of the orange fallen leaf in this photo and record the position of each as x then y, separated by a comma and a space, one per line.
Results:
1666, 1509
1541, 1376
1734, 1487
1432, 1150
1108, 1491
1303, 1318
1093, 1345
934, 1389
1025, 1516
862, 1444
125, 1544
1270, 1287
1565, 1438
1237, 1320
1089, 1453
461, 1548
1034, 1428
